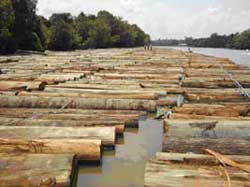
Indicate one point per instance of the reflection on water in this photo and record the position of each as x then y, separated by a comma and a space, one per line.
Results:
124, 167
238, 56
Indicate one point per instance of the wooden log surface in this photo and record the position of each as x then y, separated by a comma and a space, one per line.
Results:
145, 96
84, 149
64, 121
21, 85
227, 137
34, 170
220, 109
106, 134
77, 103
177, 170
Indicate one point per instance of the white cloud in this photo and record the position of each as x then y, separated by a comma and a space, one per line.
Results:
165, 18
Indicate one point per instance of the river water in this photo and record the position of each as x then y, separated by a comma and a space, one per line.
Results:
238, 56
125, 166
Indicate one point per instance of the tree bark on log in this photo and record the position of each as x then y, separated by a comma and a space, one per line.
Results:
47, 121
189, 170
106, 134
47, 170
227, 137
76, 103
84, 149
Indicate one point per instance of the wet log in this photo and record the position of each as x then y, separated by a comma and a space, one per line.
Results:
227, 137
34, 170
177, 170
65, 121
76, 103
84, 149
106, 134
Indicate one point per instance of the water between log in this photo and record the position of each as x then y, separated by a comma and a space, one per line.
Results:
125, 166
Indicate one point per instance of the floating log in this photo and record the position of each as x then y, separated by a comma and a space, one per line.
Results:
62, 121
77, 103
84, 149
21, 85
33, 170
138, 76
145, 96
228, 137
129, 113
106, 134
224, 109
177, 170
204, 117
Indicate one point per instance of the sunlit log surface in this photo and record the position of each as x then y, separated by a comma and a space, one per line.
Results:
189, 170
36, 170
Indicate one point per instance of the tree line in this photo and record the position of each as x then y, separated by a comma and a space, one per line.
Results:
21, 28
234, 41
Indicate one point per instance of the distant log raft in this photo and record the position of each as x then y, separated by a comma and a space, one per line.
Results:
48, 170
177, 170
106, 134
84, 149
77, 103
228, 137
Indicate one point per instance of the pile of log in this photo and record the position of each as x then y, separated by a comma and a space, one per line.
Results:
215, 115
176, 170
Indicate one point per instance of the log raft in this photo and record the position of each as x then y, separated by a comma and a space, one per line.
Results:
50, 170
177, 170
227, 137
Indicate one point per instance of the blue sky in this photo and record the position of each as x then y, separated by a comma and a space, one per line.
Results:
165, 18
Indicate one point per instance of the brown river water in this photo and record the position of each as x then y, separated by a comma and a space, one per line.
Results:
125, 166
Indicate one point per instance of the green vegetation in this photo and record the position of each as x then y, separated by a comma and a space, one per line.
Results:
234, 41
21, 28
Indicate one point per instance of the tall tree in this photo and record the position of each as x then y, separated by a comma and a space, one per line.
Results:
7, 20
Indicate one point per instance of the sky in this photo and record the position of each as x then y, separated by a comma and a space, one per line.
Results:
173, 19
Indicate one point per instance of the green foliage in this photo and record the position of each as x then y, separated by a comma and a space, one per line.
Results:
7, 20
63, 35
235, 41
21, 28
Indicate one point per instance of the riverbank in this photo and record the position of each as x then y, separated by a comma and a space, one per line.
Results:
74, 106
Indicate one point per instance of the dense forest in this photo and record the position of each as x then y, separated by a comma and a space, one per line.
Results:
21, 28
234, 41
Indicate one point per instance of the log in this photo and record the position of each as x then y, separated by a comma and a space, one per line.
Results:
224, 109
145, 96
129, 113
178, 170
52, 121
21, 85
227, 137
138, 76
84, 149
106, 134
105, 92
76, 103
204, 117
34, 170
